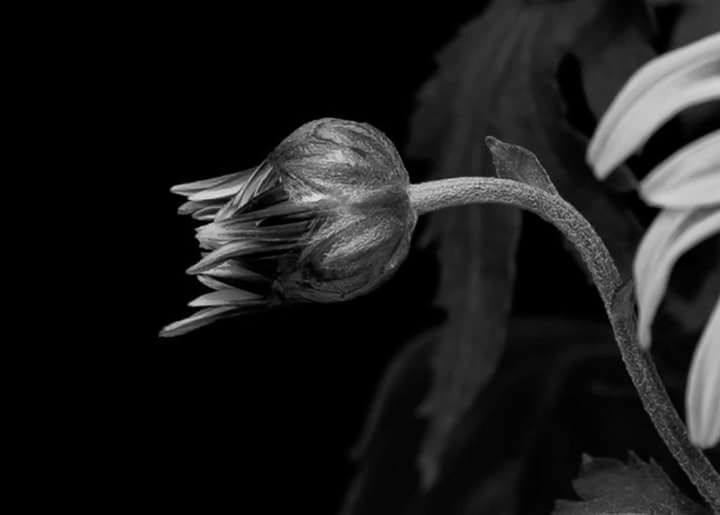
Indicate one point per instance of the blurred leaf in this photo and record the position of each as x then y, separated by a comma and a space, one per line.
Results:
611, 486
652, 97
387, 480
560, 389
608, 53
406, 369
699, 18
612, 49
498, 77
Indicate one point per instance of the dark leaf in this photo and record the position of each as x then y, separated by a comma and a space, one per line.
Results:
405, 369
386, 482
699, 18
611, 486
498, 77
611, 50
519, 164
560, 388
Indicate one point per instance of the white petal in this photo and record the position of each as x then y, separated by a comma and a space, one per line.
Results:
689, 178
212, 283
657, 91
671, 234
232, 270
213, 187
199, 319
189, 188
226, 297
702, 397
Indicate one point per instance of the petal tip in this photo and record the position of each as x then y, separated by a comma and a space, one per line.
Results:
170, 331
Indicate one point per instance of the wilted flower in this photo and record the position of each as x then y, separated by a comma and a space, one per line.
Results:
687, 187
325, 217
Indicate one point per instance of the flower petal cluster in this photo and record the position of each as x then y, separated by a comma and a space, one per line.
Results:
324, 218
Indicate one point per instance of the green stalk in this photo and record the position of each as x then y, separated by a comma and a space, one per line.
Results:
431, 196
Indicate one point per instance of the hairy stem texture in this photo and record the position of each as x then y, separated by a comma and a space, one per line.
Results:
434, 195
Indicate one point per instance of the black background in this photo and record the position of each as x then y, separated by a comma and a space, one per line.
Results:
265, 409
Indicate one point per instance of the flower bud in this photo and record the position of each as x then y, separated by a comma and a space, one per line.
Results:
325, 218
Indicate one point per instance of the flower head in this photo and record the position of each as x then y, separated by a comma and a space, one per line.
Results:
325, 217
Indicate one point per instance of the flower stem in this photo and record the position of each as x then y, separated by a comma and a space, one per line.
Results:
615, 294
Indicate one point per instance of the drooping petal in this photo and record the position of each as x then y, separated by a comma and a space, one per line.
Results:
204, 210
671, 234
227, 297
702, 397
212, 283
199, 319
687, 179
215, 187
286, 210
657, 91
228, 230
189, 188
259, 181
232, 270
237, 249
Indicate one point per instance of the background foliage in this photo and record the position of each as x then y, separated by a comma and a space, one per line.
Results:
501, 368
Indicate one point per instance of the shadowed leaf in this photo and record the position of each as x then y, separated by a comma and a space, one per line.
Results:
516, 449
611, 50
611, 486
498, 77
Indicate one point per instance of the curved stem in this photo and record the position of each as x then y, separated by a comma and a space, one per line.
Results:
434, 195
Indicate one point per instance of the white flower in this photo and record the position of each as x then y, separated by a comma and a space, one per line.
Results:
686, 186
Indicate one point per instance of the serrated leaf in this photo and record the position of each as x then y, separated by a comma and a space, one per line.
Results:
404, 369
517, 163
608, 486
517, 443
498, 77
392, 434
